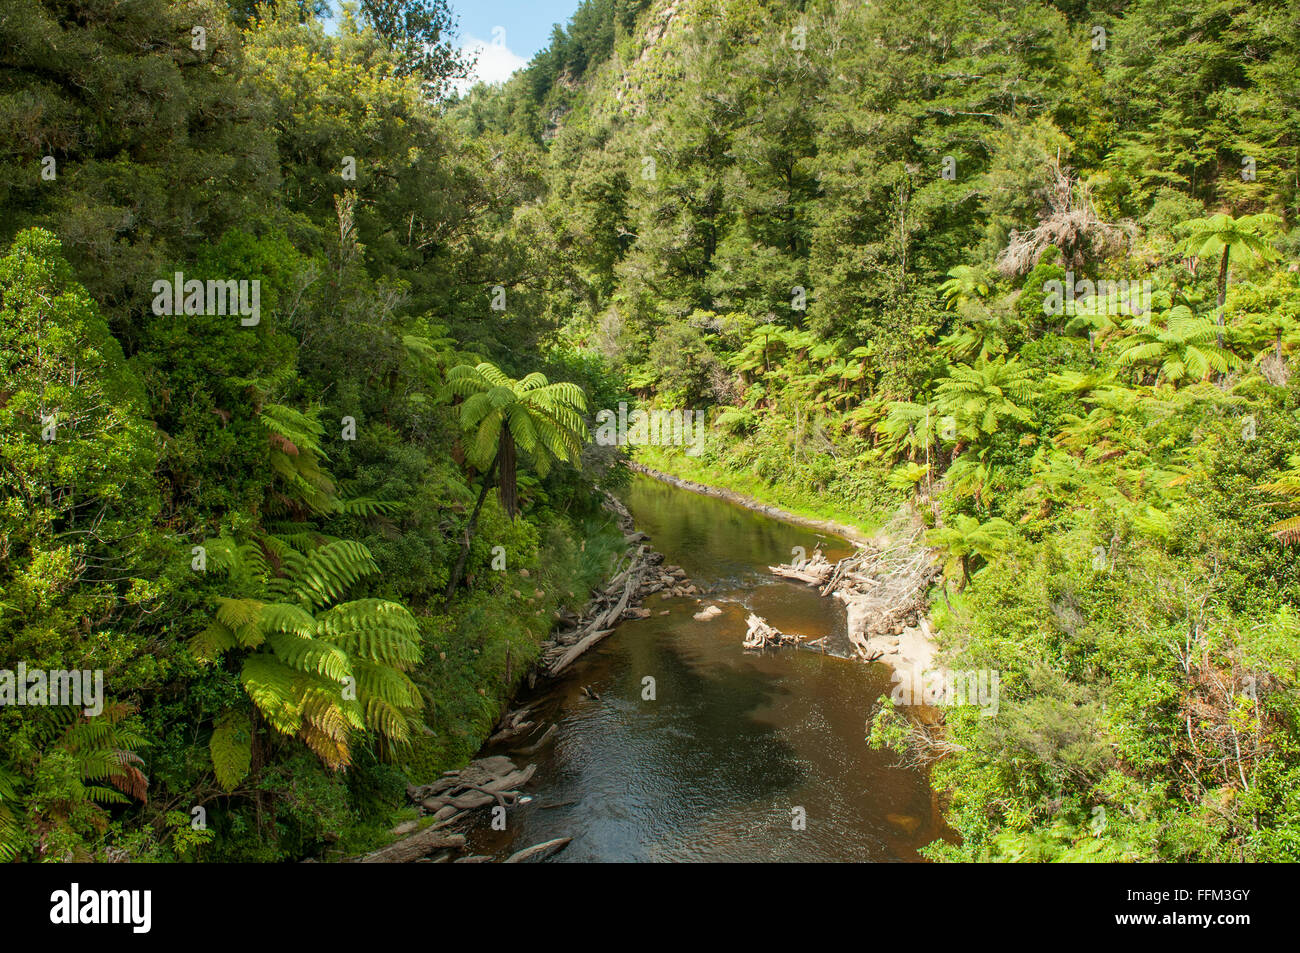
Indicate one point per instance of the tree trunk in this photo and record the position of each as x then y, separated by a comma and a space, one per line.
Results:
1223, 288
459, 568
507, 487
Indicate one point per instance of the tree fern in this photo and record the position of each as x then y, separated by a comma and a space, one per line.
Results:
503, 415
296, 454
1286, 486
1182, 347
314, 668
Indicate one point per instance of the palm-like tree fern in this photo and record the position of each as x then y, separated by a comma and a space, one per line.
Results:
910, 428
966, 539
981, 396
1185, 346
981, 336
964, 284
969, 407
504, 416
1231, 240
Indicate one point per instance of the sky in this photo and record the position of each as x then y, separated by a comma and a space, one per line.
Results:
507, 33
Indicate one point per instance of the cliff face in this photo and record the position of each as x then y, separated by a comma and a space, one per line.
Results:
607, 61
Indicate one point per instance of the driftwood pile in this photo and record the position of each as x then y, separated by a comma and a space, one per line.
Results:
763, 636
883, 584
815, 570
643, 575
493, 780
484, 782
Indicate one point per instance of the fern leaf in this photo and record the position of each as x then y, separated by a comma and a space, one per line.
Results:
231, 748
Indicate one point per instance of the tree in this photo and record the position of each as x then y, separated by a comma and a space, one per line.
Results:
419, 32
966, 539
76, 470
1180, 349
1232, 240
156, 144
964, 284
980, 396
504, 415
77, 551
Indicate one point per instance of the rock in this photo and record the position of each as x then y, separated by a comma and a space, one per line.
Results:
905, 821
707, 613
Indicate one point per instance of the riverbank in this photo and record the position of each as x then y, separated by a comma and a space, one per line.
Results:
446, 798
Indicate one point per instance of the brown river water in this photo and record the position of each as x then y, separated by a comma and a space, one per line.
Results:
714, 768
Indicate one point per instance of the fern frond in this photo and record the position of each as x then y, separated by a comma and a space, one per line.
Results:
231, 749
274, 688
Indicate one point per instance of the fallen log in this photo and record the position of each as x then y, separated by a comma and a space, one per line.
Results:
539, 851
565, 660
815, 570
512, 732
883, 584
420, 844
536, 745
790, 573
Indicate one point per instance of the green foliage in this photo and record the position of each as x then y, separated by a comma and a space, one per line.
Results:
314, 667
294, 653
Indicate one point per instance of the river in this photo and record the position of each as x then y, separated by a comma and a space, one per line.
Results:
735, 747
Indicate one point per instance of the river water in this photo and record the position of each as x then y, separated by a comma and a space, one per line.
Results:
736, 745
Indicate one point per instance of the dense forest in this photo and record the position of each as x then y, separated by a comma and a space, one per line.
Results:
1028, 271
